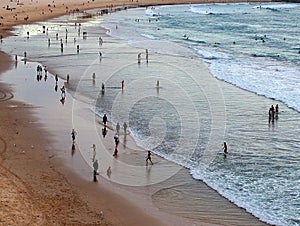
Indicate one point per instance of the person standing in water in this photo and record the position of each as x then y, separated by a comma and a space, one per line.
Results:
73, 134
276, 109
225, 149
125, 127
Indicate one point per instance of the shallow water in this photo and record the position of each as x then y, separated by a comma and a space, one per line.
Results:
188, 116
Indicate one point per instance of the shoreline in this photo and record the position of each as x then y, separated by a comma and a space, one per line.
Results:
36, 162
72, 173
8, 21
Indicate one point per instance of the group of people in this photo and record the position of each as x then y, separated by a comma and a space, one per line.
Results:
117, 140
39, 77
273, 112
39, 72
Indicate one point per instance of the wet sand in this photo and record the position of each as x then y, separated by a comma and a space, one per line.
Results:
35, 170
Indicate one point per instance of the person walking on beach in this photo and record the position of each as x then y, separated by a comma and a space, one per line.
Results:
56, 78
104, 119
46, 70
125, 127
118, 127
122, 84
116, 138
148, 158
73, 134
63, 92
68, 78
95, 166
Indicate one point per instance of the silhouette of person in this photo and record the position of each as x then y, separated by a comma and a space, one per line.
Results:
118, 128
116, 138
102, 88
73, 134
225, 149
104, 119
271, 113
148, 158
63, 91
125, 127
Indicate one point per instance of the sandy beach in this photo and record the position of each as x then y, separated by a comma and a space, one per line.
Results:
37, 171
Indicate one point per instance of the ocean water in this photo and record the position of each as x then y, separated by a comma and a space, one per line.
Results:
253, 46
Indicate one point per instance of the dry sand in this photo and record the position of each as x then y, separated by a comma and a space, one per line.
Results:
33, 191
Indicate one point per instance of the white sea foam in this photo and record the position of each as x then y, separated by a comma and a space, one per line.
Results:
149, 36
278, 6
263, 76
